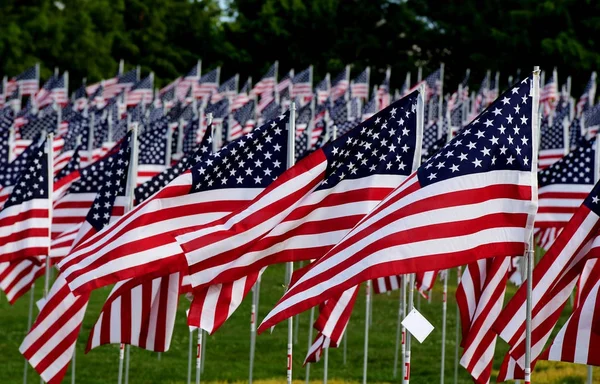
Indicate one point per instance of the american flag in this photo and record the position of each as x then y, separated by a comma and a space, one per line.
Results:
153, 157
340, 83
226, 90
6, 121
78, 132
480, 98
269, 111
190, 80
369, 109
333, 320
192, 135
591, 121
97, 97
318, 131
425, 281
322, 90
554, 143
216, 178
360, 85
13, 100
490, 172
383, 91
24, 218
554, 278
242, 120
267, 82
80, 98
123, 84
586, 100
242, 97
549, 94
10, 173
27, 81
563, 186
303, 118
207, 84
149, 188
68, 174
334, 188
285, 83
91, 89
17, 277
577, 340
168, 98
576, 133
50, 343
301, 147
142, 92
461, 94
139, 312
267, 101
484, 283
55, 90
302, 84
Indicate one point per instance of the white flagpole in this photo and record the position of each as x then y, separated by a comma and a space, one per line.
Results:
253, 328
441, 96
411, 280
290, 162
73, 361
50, 159
399, 329
310, 329
29, 320
366, 345
198, 355
444, 313
456, 341
325, 365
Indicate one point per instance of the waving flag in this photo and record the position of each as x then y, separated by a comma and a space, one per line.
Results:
226, 90
207, 84
18, 276
141, 92
242, 97
153, 157
302, 84
586, 100
482, 182
340, 83
27, 81
55, 90
360, 84
123, 84
242, 120
194, 198
323, 89
267, 82
24, 218
554, 143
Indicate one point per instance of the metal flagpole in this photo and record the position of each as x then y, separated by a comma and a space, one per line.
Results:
198, 353
310, 328
325, 365
290, 265
444, 313
399, 329
50, 175
73, 366
189, 370
252, 331
589, 374
29, 320
411, 280
121, 358
370, 308
366, 346
456, 341
127, 351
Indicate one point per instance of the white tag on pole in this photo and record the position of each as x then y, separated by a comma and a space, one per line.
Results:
418, 326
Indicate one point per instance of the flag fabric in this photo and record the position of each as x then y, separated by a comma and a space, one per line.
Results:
190, 80
383, 91
340, 83
138, 312
578, 339
141, 92
576, 133
360, 84
586, 100
55, 90
11, 172
481, 169
194, 198
267, 82
50, 343
304, 118
68, 174
553, 280
477, 317
27, 81
242, 97
242, 120
425, 281
154, 142
302, 84
285, 82
350, 176
24, 218
554, 143
226, 90
564, 185
80, 98
17, 277
332, 321
318, 131
207, 84
549, 94
123, 84
323, 89
386, 284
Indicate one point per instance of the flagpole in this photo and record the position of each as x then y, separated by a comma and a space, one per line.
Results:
29, 320
290, 268
444, 315
399, 328
253, 328
366, 345
50, 175
345, 345
411, 280
310, 328
189, 370
456, 340
198, 353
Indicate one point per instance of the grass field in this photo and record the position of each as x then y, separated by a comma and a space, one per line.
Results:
227, 350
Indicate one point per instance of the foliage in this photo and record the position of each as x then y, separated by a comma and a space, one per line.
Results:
88, 37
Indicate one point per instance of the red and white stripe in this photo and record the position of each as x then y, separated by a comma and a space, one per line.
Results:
25, 230
546, 237
386, 284
339, 89
115, 253
469, 291
212, 251
331, 323
18, 276
265, 85
142, 95
480, 342
70, 211
140, 313
578, 340
239, 100
425, 281
214, 304
547, 157
146, 172
57, 145
50, 343
398, 221
558, 203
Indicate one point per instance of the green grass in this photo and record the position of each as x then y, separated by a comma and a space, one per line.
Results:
227, 350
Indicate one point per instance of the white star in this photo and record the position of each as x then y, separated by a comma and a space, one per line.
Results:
477, 163
462, 157
503, 150
524, 98
525, 160
494, 140
517, 109
277, 147
239, 179
516, 130
401, 166
432, 176
471, 145
258, 179
479, 134
502, 129
524, 140
497, 111
440, 165
509, 119
523, 120
515, 90
454, 168
510, 160
405, 132
595, 199
505, 100
488, 122
493, 160
485, 151
405, 148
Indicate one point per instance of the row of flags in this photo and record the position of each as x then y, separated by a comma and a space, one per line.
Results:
178, 192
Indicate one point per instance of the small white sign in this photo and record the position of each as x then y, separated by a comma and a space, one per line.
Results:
417, 325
